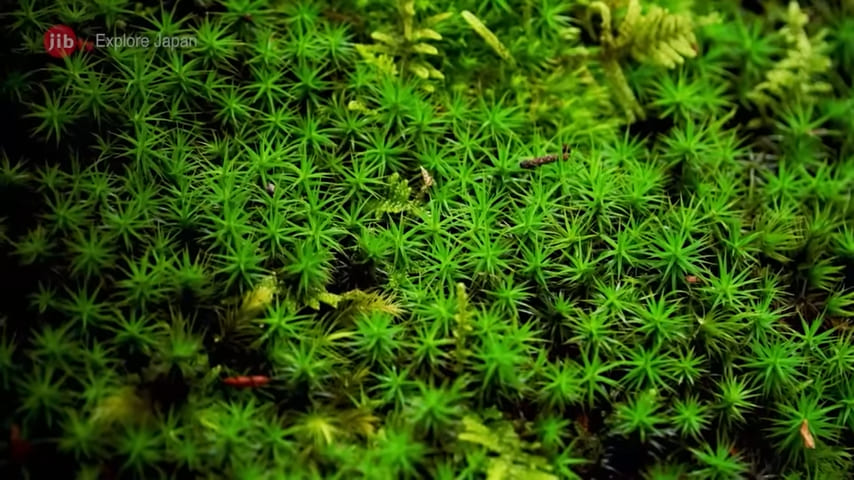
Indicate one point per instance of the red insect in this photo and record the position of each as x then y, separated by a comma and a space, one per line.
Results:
247, 381
20, 448
691, 279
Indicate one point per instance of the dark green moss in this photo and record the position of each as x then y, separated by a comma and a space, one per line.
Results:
348, 220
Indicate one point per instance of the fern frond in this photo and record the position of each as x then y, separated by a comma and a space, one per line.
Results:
405, 45
512, 462
382, 62
798, 74
657, 37
372, 302
661, 38
358, 302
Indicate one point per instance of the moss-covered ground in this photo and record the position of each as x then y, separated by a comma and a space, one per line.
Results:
471, 239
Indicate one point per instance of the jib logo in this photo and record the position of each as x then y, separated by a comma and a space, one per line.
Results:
60, 41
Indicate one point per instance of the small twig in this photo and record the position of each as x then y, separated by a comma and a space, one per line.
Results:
342, 17
536, 162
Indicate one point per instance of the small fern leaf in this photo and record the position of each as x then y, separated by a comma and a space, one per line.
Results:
372, 302
425, 48
798, 75
385, 38
437, 19
663, 38
426, 34
419, 70
487, 35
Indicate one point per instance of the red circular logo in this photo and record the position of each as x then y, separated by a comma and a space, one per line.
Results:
60, 41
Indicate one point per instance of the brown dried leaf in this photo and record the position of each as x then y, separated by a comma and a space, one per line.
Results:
425, 176
809, 442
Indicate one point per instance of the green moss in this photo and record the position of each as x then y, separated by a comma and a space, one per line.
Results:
329, 201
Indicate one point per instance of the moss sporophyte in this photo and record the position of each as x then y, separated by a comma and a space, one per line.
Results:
381, 239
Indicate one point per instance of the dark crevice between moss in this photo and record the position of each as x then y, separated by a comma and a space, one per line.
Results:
352, 273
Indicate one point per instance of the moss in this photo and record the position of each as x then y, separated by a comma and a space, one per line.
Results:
442, 239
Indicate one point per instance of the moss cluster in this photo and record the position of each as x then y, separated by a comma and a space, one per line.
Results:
331, 199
